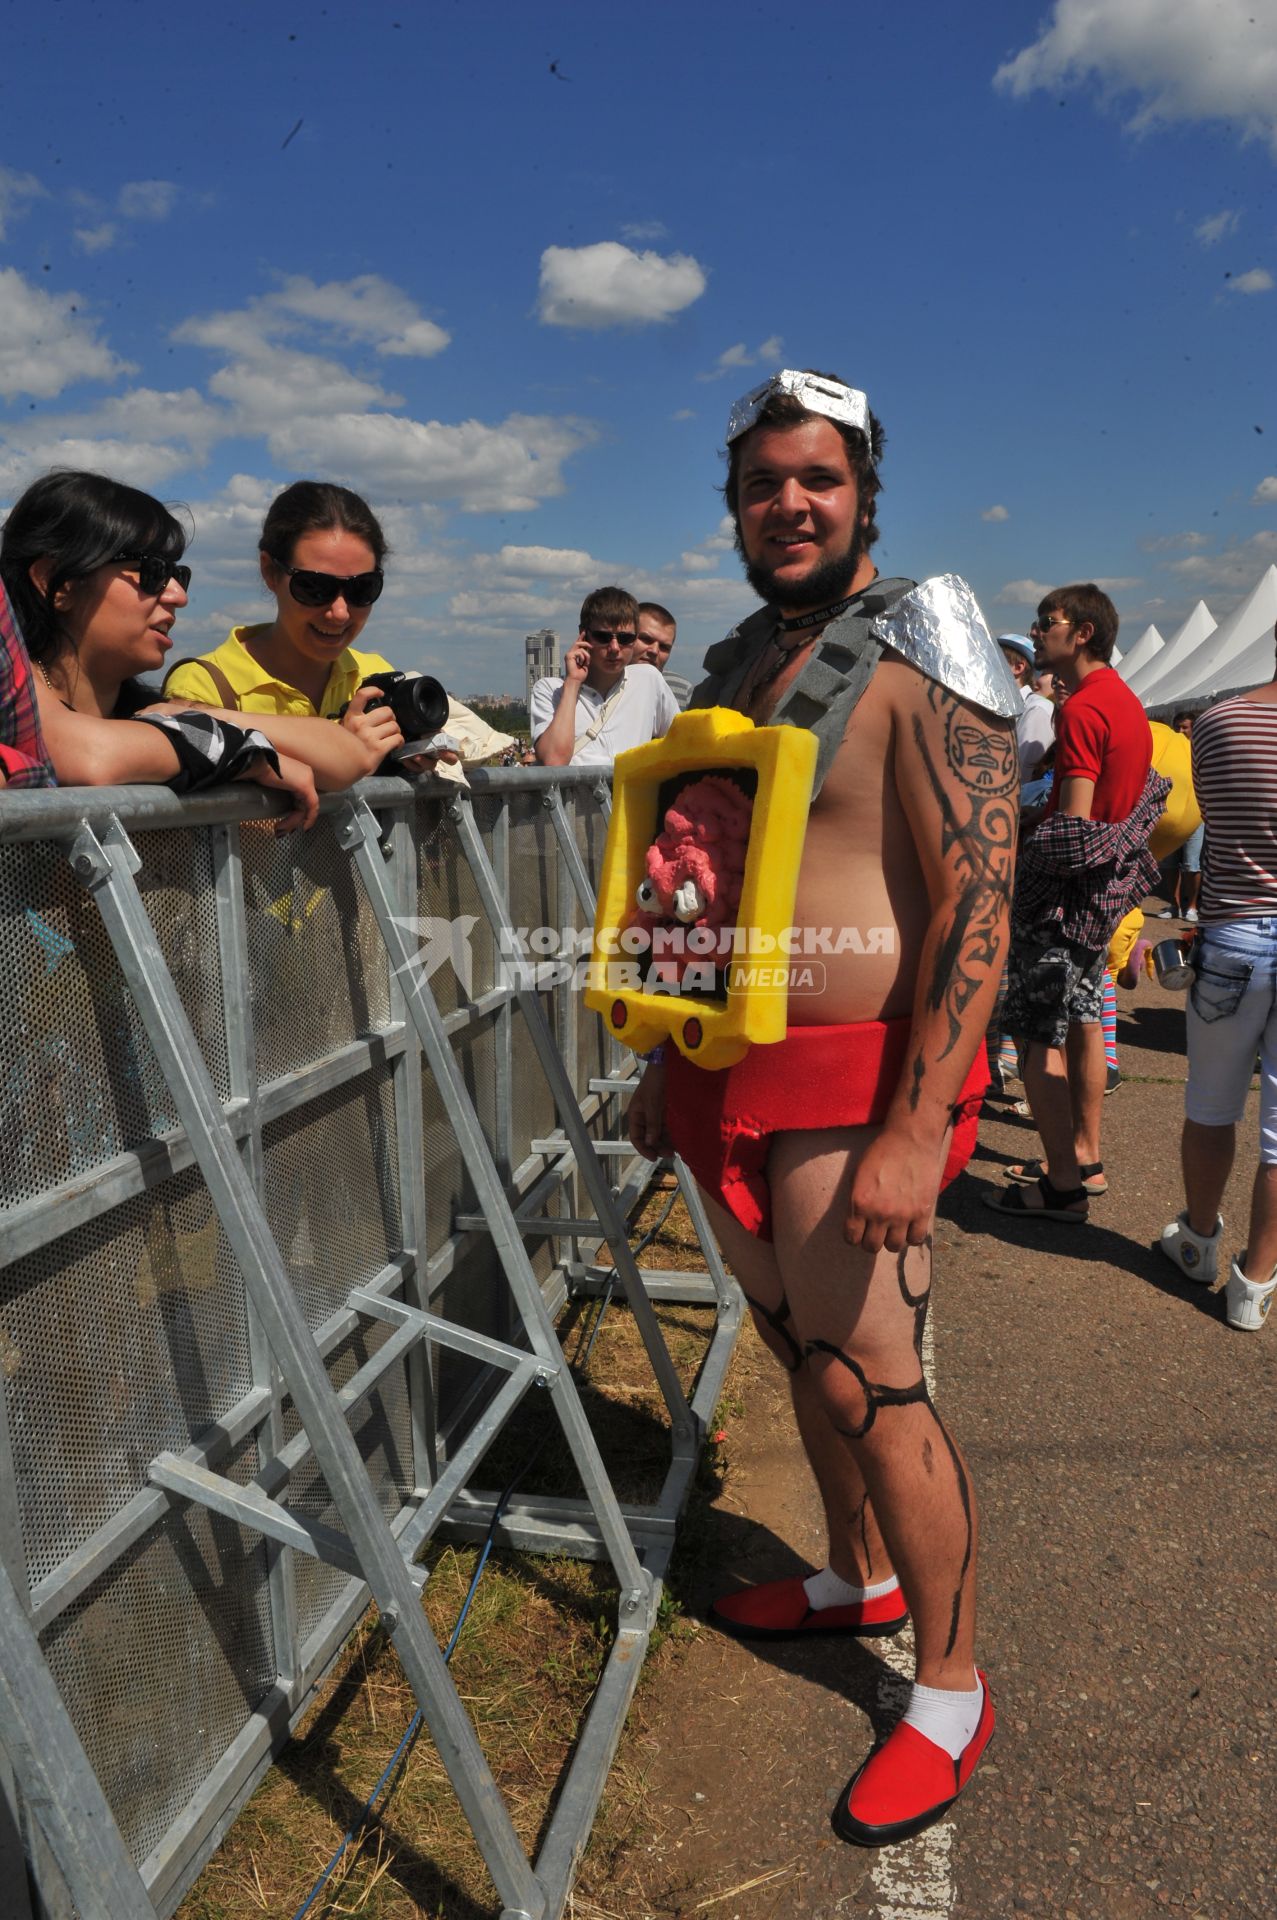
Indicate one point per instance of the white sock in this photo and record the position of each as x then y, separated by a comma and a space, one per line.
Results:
949, 1719
828, 1589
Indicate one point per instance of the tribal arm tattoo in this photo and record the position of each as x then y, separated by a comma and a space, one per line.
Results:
958, 776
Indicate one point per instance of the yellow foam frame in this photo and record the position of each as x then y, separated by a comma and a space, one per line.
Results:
712, 1032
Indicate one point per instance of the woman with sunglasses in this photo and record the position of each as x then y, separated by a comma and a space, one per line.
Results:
94, 574
320, 551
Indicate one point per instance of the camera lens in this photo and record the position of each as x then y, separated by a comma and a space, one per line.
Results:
420, 706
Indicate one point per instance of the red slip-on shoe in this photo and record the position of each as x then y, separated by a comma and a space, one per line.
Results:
780, 1609
907, 1783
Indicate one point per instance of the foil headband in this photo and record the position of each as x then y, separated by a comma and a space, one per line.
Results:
830, 397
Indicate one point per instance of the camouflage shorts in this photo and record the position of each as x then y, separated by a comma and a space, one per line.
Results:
1051, 987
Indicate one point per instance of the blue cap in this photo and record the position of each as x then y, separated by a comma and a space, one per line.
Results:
1021, 645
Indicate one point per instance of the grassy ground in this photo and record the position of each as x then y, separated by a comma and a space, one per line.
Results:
525, 1666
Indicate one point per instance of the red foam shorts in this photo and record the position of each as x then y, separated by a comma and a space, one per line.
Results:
722, 1123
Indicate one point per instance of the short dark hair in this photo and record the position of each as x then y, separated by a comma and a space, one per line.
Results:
1086, 601
317, 506
78, 521
1187, 713
607, 606
660, 614
785, 410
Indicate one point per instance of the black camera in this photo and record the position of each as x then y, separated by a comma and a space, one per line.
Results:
418, 702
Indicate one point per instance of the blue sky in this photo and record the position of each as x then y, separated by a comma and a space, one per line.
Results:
503, 268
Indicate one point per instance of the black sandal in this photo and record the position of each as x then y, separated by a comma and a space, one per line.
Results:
1057, 1203
1029, 1172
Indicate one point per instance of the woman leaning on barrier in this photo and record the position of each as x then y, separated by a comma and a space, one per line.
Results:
94, 574
321, 553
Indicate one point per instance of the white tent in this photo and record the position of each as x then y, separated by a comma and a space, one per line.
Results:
1147, 683
1117, 656
1240, 651
1149, 643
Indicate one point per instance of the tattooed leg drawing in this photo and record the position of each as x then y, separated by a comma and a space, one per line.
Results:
878, 1396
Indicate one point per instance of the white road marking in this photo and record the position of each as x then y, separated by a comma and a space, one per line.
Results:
912, 1881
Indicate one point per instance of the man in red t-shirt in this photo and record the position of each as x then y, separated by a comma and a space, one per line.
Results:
1056, 971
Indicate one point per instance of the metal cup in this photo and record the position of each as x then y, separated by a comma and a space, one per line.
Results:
1172, 965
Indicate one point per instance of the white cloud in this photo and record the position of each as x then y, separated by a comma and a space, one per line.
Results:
1265, 491
96, 239
147, 199
17, 190
1217, 228
509, 468
636, 231
365, 308
45, 342
765, 354
138, 462
1164, 542
1228, 575
278, 384
608, 285
1258, 280
995, 513
543, 563
1023, 593
684, 413
694, 562
1117, 583
1196, 60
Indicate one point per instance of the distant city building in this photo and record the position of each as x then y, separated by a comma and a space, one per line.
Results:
541, 658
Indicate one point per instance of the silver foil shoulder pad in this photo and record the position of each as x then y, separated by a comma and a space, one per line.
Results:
938, 627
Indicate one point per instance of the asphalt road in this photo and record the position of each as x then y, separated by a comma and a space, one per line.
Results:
1119, 1436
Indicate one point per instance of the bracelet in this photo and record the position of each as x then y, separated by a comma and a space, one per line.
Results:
656, 1058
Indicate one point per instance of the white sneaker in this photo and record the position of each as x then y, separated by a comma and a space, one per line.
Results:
1195, 1254
1191, 917
1247, 1301
1168, 913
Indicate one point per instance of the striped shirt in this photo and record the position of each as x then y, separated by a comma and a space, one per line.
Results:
1235, 778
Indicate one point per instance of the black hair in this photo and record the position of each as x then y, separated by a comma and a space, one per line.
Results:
78, 521
318, 506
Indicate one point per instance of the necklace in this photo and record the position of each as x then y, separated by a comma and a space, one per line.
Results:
822, 615
761, 681
43, 672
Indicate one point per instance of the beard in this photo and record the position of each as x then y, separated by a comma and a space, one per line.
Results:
829, 581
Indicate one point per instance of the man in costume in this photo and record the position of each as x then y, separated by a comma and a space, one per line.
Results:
821, 1156
605, 702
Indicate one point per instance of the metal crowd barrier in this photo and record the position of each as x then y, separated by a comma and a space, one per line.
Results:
302, 1149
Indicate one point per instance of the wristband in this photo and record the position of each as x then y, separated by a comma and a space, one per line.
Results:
656, 1058
209, 752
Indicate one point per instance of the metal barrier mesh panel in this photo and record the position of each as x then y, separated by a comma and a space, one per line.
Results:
120, 1340
331, 1190
452, 913
382, 1427
319, 974
161, 1663
78, 1080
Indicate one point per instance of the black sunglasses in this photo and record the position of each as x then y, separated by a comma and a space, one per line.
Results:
311, 589
1045, 626
603, 637
153, 571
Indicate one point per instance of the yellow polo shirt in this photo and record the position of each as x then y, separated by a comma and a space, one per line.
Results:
259, 691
